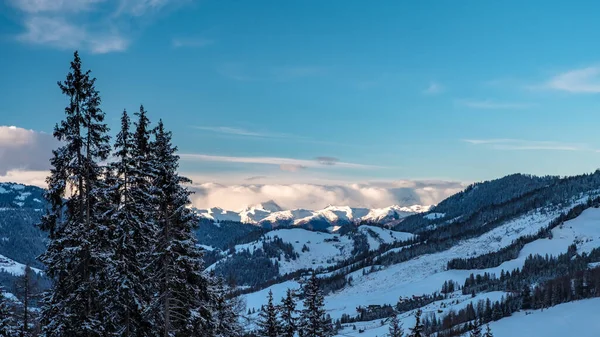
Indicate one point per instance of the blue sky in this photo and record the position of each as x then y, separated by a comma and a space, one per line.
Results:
386, 90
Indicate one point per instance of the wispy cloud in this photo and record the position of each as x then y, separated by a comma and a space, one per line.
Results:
489, 104
531, 145
241, 132
283, 163
584, 80
191, 42
59, 33
93, 25
40, 6
434, 88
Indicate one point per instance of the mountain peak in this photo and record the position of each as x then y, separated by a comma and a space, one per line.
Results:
270, 206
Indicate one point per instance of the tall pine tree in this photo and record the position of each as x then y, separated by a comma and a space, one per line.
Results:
129, 288
75, 258
313, 320
183, 289
289, 324
224, 321
268, 322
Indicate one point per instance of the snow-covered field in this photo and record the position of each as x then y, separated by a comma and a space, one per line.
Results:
573, 319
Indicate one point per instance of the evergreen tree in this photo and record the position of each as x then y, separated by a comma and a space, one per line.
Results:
476, 332
268, 323
395, 328
75, 259
26, 289
129, 288
288, 315
183, 289
224, 321
313, 320
417, 330
488, 332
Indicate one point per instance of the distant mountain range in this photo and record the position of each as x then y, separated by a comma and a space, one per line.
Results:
271, 215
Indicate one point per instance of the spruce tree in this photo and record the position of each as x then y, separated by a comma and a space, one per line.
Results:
417, 330
224, 322
75, 258
129, 288
313, 320
488, 331
183, 289
395, 328
476, 332
288, 315
268, 322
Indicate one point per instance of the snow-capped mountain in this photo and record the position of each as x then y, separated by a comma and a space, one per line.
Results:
271, 215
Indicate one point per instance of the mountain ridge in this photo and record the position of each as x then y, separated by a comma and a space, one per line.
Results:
271, 215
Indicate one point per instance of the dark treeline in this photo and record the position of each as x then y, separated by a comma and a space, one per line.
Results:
550, 192
478, 196
536, 268
576, 285
226, 234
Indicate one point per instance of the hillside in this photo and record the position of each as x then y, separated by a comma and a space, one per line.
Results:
546, 230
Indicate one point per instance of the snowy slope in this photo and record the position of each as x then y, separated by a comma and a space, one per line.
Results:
318, 249
269, 214
577, 319
426, 273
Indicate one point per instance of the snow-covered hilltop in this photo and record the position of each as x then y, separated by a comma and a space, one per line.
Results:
271, 215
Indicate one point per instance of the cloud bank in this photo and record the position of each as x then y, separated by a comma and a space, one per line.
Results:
24, 150
316, 196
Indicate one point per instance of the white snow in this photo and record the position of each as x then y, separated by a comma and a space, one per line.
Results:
433, 216
578, 318
440, 308
383, 236
320, 253
23, 196
271, 213
13, 267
